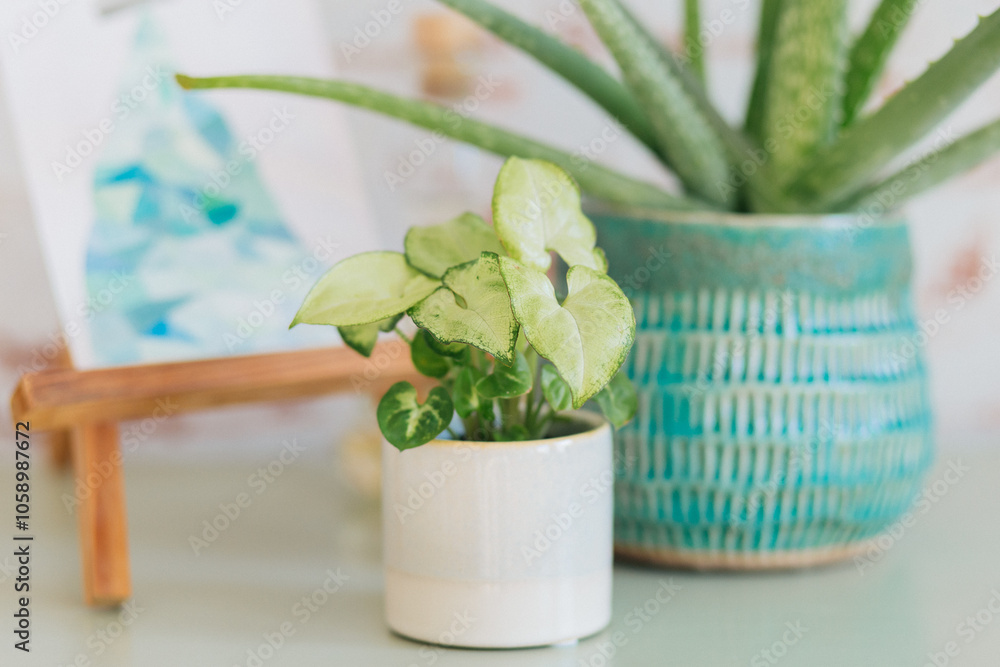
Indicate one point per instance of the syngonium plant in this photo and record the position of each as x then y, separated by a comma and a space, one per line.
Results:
509, 355
808, 144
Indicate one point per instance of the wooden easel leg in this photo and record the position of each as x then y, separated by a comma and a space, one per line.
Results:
61, 449
101, 514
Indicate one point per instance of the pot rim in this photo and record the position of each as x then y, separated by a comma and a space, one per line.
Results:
827, 221
596, 423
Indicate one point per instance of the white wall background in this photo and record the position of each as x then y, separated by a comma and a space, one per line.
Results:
956, 228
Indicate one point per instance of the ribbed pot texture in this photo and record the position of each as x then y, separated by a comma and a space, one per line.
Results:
783, 402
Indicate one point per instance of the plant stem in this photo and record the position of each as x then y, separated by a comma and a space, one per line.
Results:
407, 339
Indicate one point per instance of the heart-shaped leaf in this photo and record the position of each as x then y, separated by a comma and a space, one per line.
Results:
536, 209
473, 308
365, 288
466, 397
618, 400
507, 381
362, 338
437, 248
405, 422
425, 359
555, 390
587, 337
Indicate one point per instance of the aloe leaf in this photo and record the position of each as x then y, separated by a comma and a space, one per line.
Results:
536, 209
877, 139
929, 171
506, 381
770, 11
555, 390
596, 180
870, 53
587, 337
365, 288
565, 61
692, 38
407, 423
803, 90
483, 319
618, 401
686, 136
362, 337
437, 248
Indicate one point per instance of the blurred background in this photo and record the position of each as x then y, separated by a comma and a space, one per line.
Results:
427, 51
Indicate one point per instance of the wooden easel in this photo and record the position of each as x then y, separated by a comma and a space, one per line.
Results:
83, 409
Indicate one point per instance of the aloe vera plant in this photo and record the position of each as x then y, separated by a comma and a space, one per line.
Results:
816, 147
508, 353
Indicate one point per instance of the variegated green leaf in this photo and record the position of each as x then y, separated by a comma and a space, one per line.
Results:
437, 248
472, 308
555, 390
587, 337
506, 381
618, 400
365, 288
467, 399
406, 423
536, 209
362, 337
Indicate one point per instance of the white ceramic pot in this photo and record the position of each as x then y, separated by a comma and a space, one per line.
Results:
500, 545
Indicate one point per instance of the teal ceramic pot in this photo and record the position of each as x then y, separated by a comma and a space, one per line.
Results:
783, 414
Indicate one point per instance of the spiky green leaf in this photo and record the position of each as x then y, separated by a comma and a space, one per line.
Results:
596, 180
691, 145
870, 53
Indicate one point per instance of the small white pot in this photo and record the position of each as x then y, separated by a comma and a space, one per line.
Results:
500, 545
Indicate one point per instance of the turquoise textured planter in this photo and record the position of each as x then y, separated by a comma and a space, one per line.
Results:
783, 414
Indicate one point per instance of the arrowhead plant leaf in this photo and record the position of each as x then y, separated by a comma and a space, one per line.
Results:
618, 400
406, 423
437, 248
425, 359
467, 399
507, 381
555, 389
362, 337
587, 337
536, 210
365, 288
472, 308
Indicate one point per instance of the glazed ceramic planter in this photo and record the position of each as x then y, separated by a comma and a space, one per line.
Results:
784, 416
500, 545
